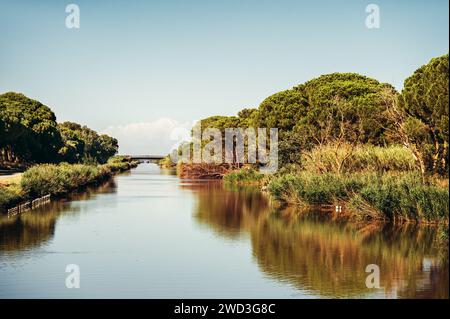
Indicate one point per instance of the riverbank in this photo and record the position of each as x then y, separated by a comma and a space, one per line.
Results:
381, 187
288, 248
364, 196
57, 180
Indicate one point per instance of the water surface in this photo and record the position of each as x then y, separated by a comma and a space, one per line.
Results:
148, 234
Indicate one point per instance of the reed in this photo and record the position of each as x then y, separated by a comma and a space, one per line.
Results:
394, 197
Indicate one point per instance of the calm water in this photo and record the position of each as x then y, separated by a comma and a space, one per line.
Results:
148, 234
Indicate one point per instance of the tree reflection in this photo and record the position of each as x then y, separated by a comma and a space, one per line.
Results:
34, 228
327, 257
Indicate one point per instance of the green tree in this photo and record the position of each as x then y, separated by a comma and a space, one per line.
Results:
82, 144
248, 117
425, 103
73, 149
345, 106
29, 130
108, 147
29, 134
282, 110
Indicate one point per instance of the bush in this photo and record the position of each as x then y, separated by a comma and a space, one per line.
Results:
120, 164
59, 179
244, 176
9, 196
167, 162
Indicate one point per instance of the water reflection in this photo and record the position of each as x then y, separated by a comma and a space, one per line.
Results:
228, 212
34, 228
141, 228
327, 257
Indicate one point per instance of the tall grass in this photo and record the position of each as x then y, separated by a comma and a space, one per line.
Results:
346, 158
403, 197
308, 188
367, 195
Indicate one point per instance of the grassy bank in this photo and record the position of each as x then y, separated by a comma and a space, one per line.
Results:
368, 196
389, 196
373, 183
58, 180
347, 158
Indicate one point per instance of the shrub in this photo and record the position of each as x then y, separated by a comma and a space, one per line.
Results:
167, 162
244, 176
59, 179
9, 196
120, 164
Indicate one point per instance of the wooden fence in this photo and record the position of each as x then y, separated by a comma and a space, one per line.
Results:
24, 207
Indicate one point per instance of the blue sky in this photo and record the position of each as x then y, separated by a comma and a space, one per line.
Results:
138, 69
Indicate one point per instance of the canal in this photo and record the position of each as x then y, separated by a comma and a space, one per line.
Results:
149, 234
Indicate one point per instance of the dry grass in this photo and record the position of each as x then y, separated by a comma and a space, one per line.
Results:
203, 170
8, 180
346, 158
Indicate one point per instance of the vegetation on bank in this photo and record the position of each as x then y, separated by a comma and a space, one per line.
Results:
352, 109
10, 195
29, 134
345, 158
202, 170
369, 196
59, 179
244, 176
60, 157
373, 183
167, 162
120, 163
347, 138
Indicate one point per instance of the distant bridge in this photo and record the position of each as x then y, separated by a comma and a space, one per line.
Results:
147, 158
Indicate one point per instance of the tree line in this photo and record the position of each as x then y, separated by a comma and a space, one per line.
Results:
349, 108
29, 133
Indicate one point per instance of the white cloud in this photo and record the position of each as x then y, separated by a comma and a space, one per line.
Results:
156, 138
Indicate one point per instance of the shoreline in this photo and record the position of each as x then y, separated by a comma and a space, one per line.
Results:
21, 192
369, 197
